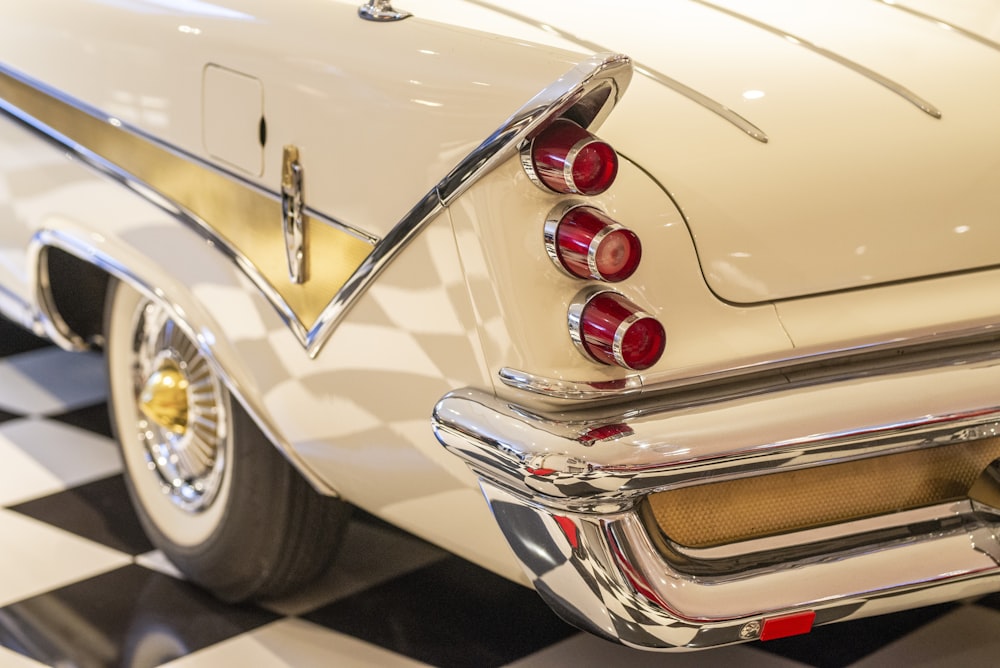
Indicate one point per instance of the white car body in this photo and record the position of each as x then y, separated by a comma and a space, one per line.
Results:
814, 184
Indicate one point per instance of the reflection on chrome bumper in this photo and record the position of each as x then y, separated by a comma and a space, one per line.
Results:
567, 490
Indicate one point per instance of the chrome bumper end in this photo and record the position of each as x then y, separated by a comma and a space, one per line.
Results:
567, 491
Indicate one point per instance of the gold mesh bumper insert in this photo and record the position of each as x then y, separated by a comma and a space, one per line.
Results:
725, 512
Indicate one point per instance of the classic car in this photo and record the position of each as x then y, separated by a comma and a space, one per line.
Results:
681, 312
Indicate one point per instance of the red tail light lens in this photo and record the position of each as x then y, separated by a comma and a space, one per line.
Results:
586, 243
567, 159
611, 329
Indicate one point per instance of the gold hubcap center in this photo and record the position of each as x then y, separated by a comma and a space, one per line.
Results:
164, 398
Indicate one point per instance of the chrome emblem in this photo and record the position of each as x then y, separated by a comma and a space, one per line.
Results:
292, 214
381, 10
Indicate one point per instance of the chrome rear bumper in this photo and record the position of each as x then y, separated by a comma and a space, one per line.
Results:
567, 492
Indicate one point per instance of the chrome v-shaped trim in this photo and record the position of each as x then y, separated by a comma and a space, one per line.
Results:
894, 86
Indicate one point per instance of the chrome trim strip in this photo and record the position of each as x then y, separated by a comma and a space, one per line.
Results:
769, 372
944, 25
895, 87
56, 239
576, 390
701, 99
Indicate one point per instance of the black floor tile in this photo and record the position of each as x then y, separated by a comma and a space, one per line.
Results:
990, 601
92, 418
127, 617
451, 613
99, 511
14, 339
842, 644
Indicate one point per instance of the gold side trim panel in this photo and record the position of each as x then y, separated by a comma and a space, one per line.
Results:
246, 219
340, 262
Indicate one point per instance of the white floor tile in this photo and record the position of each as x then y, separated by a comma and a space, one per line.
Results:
36, 557
157, 561
11, 659
293, 642
587, 651
43, 456
49, 381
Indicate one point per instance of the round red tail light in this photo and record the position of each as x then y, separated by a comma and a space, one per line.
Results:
586, 243
567, 159
610, 329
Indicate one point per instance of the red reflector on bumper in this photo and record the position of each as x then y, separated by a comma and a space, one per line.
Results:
790, 625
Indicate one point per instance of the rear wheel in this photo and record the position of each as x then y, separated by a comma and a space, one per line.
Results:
210, 490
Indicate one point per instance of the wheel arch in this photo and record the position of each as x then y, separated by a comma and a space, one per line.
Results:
72, 272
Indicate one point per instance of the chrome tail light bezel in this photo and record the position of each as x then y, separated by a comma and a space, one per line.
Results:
543, 177
616, 354
558, 215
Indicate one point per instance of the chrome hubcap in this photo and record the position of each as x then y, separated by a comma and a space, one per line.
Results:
181, 415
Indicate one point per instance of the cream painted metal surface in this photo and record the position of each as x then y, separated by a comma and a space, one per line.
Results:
844, 154
753, 169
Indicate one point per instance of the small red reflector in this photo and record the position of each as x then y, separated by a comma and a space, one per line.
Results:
567, 159
607, 432
611, 329
569, 529
587, 243
789, 625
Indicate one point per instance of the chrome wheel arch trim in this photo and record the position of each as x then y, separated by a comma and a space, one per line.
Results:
56, 329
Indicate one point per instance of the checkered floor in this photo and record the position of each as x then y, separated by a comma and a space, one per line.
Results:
81, 586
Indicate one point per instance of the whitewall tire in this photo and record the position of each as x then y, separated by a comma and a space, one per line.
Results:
210, 490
